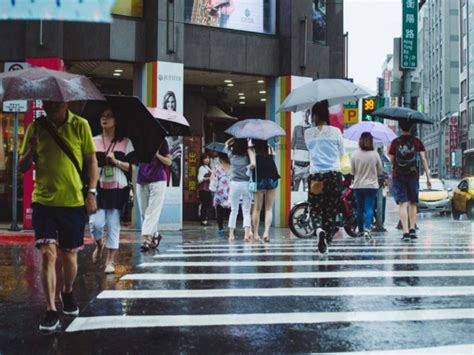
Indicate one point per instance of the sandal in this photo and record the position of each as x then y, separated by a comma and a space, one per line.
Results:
266, 239
146, 245
155, 240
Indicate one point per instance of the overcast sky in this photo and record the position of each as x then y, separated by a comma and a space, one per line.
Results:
372, 25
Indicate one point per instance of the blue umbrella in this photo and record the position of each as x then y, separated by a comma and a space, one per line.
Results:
216, 146
380, 132
256, 129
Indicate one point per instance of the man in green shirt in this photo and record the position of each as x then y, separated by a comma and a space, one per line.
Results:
59, 207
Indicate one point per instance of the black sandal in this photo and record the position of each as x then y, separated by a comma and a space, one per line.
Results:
155, 240
146, 245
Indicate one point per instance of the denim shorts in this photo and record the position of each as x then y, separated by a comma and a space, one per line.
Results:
267, 184
62, 226
406, 188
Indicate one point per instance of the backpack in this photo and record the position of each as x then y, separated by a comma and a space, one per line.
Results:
406, 157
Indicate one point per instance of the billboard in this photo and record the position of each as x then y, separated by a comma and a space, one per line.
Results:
319, 21
242, 15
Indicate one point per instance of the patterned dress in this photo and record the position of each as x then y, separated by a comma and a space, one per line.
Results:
221, 196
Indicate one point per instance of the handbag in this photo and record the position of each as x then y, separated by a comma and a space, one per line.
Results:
345, 163
42, 121
253, 184
129, 194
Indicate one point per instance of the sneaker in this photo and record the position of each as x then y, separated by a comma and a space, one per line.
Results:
110, 269
322, 244
99, 249
406, 237
367, 236
412, 234
50, 322
70, 308
221, 233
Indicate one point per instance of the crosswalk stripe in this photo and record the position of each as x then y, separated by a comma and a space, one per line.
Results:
338, 247
115, 322
300, 275
356, 253
463, 349
307, 262
293, 292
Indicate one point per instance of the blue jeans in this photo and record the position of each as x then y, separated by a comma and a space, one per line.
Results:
365, 208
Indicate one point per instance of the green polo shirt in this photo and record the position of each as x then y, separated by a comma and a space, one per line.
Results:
57, 183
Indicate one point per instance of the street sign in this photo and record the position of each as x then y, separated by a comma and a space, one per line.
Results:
369, 105
15, 106
351, 115
409, 48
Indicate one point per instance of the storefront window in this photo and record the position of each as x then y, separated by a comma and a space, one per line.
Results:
133, 8
243, 15
6, 161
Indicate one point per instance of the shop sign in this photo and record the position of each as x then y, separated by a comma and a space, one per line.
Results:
351, 116
61, 10
15, 106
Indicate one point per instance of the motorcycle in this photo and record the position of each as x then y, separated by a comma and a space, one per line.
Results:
301, 225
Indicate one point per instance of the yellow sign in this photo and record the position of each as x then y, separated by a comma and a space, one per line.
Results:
369, 105
351, 115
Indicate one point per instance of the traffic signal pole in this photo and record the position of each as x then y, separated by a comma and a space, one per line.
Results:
407, 77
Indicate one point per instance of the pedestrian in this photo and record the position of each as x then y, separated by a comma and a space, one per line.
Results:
59, 216
151, 188
214, 159
267, 181
366, 166
242, 161
220, 184
405, 153
115, 156
326, 148
205, 195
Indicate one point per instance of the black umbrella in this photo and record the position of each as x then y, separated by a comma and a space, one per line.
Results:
403, 114
134, 120
216, 146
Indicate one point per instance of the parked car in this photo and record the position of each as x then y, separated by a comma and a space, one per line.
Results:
463, 199
437, 199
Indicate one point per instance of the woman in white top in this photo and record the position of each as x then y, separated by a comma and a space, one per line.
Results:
205, 195
366, 166
326, 146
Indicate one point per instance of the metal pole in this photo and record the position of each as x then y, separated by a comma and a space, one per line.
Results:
407, 88
14, 224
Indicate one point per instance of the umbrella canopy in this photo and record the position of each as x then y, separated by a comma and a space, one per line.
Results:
216, 147
403, 113
175, 123
256, 129
336, 91
380, 132
134, 121
50, 85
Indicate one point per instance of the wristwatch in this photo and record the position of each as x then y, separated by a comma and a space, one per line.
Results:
93, 191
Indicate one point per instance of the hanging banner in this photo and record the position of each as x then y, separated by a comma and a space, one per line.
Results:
60, 10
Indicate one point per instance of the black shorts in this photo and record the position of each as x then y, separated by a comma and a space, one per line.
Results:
63, 226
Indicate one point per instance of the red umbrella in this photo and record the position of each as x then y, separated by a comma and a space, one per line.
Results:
46, 84
175, 123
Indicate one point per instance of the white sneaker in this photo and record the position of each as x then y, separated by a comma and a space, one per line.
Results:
110, 269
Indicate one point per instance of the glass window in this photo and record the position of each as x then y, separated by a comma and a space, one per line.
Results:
242, 15
319, 21
132, 8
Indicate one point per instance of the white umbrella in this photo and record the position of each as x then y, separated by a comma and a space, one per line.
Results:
380, 132
336, 91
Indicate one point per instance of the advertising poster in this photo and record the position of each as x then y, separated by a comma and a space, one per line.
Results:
319, 21
242, 15
300, 121
170, 96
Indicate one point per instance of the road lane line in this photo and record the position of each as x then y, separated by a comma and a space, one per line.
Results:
404, 291
309, 253
306, 262
300, 275
200, 320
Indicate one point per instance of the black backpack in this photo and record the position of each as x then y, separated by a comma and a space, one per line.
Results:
406, 157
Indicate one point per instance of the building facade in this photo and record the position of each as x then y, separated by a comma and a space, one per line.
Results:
220, 64
439, 75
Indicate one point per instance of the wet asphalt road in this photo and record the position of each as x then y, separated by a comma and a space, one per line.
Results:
201, 294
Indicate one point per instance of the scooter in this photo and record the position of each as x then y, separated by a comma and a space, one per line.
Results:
301, 225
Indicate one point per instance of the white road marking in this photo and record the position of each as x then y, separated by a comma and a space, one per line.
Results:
301, 275
405, 291
306, 262
311, 253
464, 349
115, 322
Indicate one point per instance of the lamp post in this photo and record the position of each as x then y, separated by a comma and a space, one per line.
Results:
441, 156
